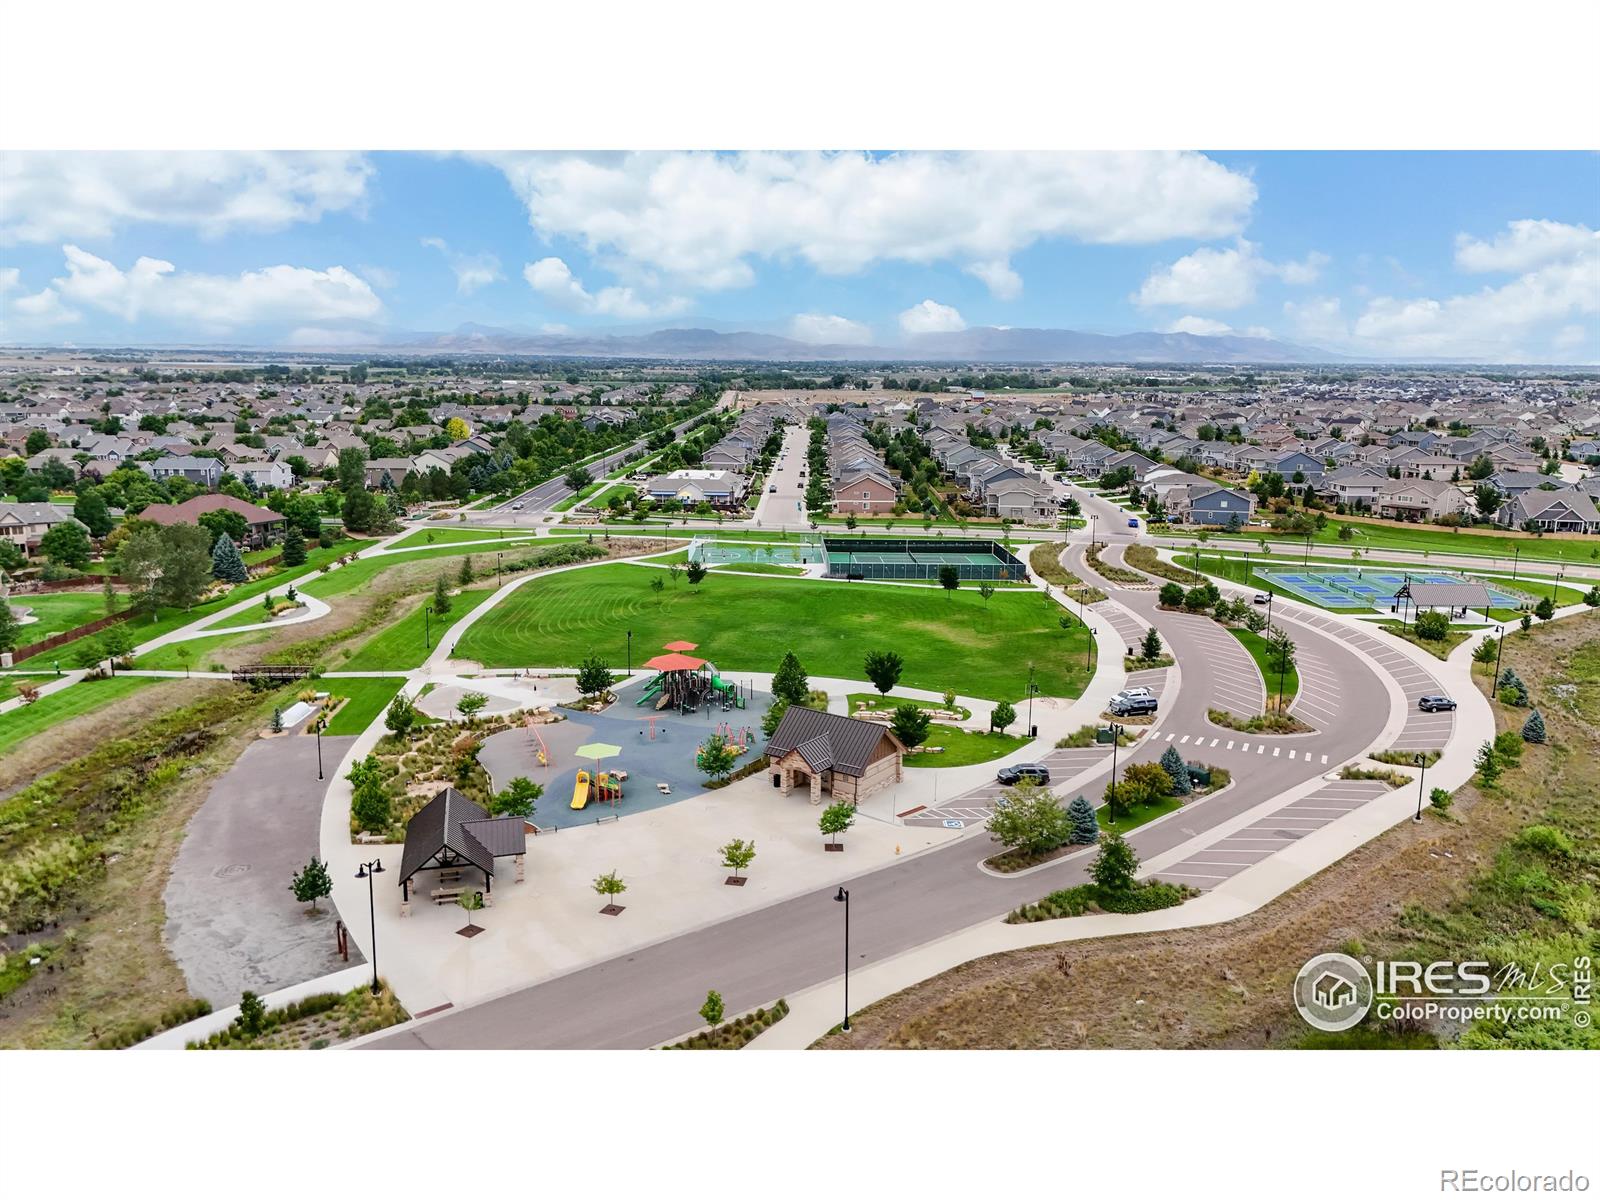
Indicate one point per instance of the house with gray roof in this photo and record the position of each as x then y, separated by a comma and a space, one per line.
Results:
844, 757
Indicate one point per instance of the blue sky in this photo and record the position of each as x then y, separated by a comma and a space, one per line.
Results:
1484, 256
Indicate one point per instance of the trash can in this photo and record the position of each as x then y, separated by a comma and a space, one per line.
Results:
1033, 731
1102, 737
1200, 775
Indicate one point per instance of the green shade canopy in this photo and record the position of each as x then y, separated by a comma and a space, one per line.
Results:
597, 750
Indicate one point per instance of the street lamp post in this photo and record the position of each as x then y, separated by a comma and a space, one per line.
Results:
499, 555
1094, 531
1088, 646
427, 626
1307, 562
367, 871
843, 897
1494, 688
1516, 553
318, 728
1421, 760
630, 654
1116, 734
1030, 699
1271, 596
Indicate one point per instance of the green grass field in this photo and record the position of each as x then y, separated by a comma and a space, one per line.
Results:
1439, 540
82, 697
368, 698
1257, 645
202, 651
963, 747
444, 535
405, 643
58, 612
744, 623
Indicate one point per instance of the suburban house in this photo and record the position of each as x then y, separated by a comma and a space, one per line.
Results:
1356, 486
720, 489
1211, 504
870, 490
207, 472
1419, 499
24, 524
385, 473
264, 475
262, 525
849, 759
1570, 510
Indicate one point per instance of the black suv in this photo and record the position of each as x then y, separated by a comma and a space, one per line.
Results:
1035, 772
1436, 703
1132, 706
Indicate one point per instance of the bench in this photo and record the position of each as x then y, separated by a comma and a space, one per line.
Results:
446, 895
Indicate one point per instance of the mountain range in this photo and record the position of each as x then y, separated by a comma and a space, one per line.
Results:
977, 345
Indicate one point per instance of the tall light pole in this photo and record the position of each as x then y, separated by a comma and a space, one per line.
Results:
1094, 531
427, 626
1516, 553
1307, 562
1088, 646
499, 555
843, 897
1494, 688
1030, 699
1421, 760
367, 871
1116, 734
630, 654
318, 728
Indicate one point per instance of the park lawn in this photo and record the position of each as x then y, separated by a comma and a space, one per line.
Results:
73, 701
1439, 649
8, 683
1262, 653
202, 651
1135, 815
963, 747
890, 702
404, 644
58, 612
368, 698
250, 616
744, 623
444, 535
348, 578
1438, 539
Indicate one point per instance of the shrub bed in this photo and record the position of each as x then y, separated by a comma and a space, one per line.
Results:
736, 1033
1146, 559
139, 1031
1406, 758
313, 1022
1393, 778
1273, 722
1083, 737
1114, 574
1145, 896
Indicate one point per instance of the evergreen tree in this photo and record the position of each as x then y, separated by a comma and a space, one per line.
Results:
294, 547
1150, 650
1085, 828
441, 596
226, 563
790, 682
9, 629
1172, 763
466, 576
1545, 609
1533, 728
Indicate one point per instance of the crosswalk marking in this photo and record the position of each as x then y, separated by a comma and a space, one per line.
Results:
1183, 739
1261, 749
1230, 745
1214, 741
1324, 760
1275, 751
1170, 736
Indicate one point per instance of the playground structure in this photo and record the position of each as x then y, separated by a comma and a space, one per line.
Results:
684, 682
739, 739
604, 787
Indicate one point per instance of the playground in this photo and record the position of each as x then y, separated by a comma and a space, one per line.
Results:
1371, 590
635, 756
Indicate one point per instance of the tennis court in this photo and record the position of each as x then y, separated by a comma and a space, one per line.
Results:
1362, 589
899, 558
717, 552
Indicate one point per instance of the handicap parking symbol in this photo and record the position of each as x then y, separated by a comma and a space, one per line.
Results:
951, 824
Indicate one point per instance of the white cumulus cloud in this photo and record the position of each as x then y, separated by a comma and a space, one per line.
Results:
1204, 326
1222, 279
554, 280
156, 289
699, 220
827, 329
931, 317
46, 196
1524, 245
472, 271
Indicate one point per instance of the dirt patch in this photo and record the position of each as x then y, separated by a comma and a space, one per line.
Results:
1229, 985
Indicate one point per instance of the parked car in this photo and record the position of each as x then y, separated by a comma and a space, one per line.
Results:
773, 488
1132, 706
1035, 772
516, 506
1261, 598
1436, 703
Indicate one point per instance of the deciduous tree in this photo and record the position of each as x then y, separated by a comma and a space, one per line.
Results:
312, 882
883, 667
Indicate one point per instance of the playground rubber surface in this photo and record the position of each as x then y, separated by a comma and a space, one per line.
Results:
746, 623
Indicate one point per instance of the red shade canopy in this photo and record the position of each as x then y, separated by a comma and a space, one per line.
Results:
675, 662
681, 646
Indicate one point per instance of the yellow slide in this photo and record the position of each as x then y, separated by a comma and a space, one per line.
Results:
580, 790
